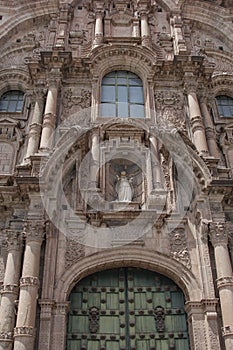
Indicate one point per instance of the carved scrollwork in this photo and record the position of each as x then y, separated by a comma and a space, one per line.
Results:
159, 315
74, 251
179, 249
93, 319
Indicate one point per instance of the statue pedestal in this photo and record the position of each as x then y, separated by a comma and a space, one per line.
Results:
129, 206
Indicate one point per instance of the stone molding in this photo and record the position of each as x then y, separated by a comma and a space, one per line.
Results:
10, 289
219, 233
61, 308
24, 331
29, 281
224, 282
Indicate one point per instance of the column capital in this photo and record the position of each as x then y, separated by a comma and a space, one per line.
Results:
14, 240
54, 78
190, 83
34, 230
62, 308
219, 233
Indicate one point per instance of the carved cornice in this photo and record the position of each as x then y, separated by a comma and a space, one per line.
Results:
219, 233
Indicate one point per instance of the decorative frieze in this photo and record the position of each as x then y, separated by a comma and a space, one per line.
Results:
10, 289
225, 282
24, 331
6, 336
179, 248
70, 100
29, 281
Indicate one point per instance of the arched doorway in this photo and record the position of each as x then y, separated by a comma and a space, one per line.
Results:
127, 308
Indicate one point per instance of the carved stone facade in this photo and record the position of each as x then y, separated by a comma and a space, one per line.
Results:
112, 89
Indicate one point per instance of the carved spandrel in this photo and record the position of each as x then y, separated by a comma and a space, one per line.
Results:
179, 248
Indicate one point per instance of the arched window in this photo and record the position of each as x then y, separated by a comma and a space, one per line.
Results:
225, 105
122, 95
12, 101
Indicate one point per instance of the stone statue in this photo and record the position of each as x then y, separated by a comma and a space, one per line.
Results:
124, 188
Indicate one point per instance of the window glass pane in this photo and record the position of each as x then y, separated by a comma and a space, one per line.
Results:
136, 111
108, 110
122, 81
122, 95
136, 94
111, 74
226, 111
123, 110
108, 94
122, 73
12, 106
3, 105
137, 82
19, 106
109, 81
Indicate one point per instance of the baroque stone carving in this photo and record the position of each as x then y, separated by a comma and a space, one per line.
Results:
219, 232
93, 319
159, 316
179, 248
6, 336
29, 331
34, 230
9, 289
84, 100
29, 281
74, 252
224, 282
13, 240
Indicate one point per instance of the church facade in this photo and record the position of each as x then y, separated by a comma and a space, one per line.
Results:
116, 175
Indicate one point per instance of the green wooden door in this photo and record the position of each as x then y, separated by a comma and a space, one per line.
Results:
127, 308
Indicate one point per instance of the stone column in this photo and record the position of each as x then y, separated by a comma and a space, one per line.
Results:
99, 29
95, 157
136, 31
59, 325
219, 232
145, 30
10, 289
197, 126
35, 127
49, 121
155, 164
25, 326
209, 128
196, 324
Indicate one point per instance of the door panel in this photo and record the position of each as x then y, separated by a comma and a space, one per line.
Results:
127, 309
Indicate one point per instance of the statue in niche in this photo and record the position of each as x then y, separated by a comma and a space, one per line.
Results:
123, 188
